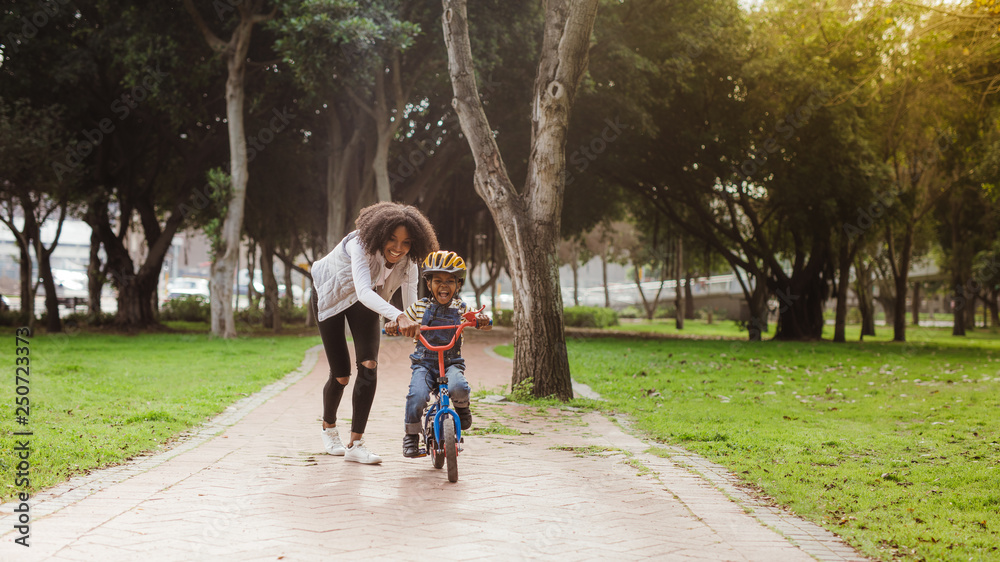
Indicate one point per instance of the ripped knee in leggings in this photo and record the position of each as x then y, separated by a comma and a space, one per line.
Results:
343, 380
366, 371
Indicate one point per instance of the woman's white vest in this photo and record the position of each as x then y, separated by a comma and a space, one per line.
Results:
335, 284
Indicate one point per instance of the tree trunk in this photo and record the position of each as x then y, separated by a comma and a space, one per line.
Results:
575, 267
959, 304
916, 303
135, 308
27, 282
311, 305
272, 312
866, 306
800, 315
494, 272
289, 295
604, 280
888, 303
971, 297
992, 304
253, 297
538, 318
843, 279
528, 220
338, 166
137, 289
678, 291
95, 276
650, 312
689, 298
53, 324
386, 125
493, 297
27, 312
224, 263
900, 273
757, 326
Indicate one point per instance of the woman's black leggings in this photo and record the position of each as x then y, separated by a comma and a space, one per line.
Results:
365, 331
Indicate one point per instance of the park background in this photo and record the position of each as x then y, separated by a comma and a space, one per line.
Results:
831, 165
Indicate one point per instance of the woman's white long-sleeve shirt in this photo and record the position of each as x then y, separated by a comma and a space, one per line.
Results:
348, 274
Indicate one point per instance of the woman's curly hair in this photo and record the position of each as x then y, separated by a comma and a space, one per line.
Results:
377, 222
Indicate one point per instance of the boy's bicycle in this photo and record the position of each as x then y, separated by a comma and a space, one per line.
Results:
442, 428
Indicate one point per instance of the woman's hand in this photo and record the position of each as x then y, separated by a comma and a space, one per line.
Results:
406, 326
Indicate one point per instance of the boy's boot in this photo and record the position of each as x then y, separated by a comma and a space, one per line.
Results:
465, 416
411, 445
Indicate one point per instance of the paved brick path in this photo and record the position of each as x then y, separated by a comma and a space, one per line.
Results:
255, 484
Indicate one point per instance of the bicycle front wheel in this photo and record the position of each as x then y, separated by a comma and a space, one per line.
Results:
451, 450
432, 448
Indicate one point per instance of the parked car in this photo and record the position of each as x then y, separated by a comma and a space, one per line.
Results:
258, 286
187, 286
71, 287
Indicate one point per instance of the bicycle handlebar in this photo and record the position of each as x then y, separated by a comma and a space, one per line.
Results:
470, 320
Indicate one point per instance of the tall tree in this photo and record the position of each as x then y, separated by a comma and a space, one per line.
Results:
528, 219
29, 139
349, 59
746, 147
234, 53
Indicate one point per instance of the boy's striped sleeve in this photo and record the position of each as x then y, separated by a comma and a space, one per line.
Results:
416, 310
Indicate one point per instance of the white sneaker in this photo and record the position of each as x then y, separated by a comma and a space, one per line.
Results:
358, 453
332, 442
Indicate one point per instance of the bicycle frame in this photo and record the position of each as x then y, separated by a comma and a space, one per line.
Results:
443, 406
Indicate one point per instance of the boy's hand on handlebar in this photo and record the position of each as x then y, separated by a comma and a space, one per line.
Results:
406, 326
391, 328
483, 322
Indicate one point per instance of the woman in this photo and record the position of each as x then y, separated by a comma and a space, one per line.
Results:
354, 282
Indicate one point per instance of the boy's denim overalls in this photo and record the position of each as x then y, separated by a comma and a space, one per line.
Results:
424, 364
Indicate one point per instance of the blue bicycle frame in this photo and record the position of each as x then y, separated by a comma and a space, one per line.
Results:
442, 406
440, 409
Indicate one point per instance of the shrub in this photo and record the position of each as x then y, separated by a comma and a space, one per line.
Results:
504, 317
289, 314
630, 312
252, 315
710, 314
10, 318
293, 314
85, 319
192, 308
590, 317
665, 312
853, 315
522, 391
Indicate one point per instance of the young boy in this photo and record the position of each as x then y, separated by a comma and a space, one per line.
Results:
444, 273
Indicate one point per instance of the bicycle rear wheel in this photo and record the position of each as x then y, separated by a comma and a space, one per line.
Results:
451, 449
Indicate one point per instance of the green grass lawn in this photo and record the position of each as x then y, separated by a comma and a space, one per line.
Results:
97, 400
730, 329
895, 447
699, 328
